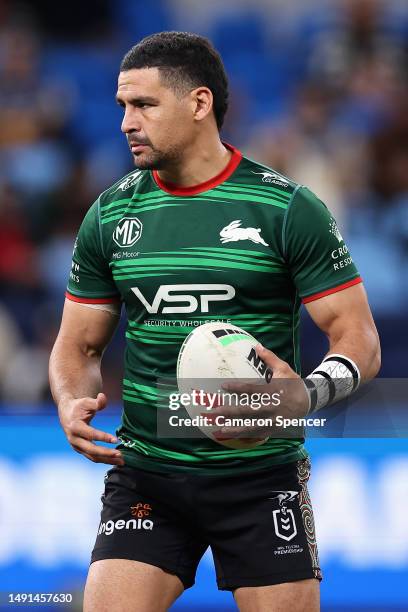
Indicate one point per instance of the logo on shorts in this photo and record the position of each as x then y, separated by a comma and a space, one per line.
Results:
283, 518
140, 511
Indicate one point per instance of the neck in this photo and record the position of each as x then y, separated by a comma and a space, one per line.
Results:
201, 161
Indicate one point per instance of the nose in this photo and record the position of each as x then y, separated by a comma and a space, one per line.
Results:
130, 122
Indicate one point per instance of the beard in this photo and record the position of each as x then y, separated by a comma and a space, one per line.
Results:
156, 159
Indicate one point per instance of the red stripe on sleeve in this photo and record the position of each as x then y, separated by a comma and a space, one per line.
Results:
107, 300
316, 296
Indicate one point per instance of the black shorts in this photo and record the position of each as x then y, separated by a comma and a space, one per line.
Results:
259, 526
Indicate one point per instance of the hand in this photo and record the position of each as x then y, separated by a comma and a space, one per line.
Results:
286, 385
75, 416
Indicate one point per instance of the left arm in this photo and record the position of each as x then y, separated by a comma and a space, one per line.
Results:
345, 317
335, 298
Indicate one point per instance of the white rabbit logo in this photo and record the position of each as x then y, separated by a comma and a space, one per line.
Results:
233, 232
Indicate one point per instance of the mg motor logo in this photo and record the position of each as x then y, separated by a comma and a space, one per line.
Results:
191, 303
127, 231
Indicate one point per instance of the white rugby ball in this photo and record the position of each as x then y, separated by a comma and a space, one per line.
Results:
213, 352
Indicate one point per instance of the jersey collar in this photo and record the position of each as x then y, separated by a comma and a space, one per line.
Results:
174, 189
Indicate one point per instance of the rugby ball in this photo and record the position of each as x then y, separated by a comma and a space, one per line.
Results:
211, 353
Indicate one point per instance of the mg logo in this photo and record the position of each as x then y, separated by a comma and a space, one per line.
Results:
127, 231
191, 303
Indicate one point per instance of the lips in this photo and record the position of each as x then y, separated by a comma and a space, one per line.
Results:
135, 146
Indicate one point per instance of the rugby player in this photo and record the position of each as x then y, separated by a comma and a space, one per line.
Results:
198, 233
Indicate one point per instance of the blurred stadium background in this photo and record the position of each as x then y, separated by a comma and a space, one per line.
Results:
319, 91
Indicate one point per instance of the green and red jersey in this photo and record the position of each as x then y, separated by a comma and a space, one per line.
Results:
247, 247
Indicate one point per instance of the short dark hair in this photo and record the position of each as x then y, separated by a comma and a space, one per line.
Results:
184, 60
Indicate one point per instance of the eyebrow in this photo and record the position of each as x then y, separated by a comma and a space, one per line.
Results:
138, 100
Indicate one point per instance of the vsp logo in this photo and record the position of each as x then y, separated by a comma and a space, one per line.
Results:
127, 231
192, 303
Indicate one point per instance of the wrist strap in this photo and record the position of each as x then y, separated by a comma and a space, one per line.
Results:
334, 379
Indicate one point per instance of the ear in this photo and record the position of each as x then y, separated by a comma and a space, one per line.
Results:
202, 100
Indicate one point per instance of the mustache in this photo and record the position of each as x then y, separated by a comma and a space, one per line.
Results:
137, 141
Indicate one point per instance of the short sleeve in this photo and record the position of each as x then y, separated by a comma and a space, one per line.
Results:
319, 260
90, 278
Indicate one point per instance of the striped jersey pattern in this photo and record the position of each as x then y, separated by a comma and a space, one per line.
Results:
246, 248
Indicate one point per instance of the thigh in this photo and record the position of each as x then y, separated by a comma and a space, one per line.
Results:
142, 521
115, 585
264, 533
300, 596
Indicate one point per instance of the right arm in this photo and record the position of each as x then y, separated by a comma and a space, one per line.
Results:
75, 378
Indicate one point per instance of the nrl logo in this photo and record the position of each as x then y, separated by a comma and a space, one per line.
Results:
272, 177
130, 181
284, 519
335, 230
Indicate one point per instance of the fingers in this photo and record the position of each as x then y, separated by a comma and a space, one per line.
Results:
233, 410
269, 357
75, 418
104, 459
97, 454
92, 404
101, 401
238, 387
280, 368
82, 430
81, 437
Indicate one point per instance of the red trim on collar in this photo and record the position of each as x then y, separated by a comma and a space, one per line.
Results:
174, 189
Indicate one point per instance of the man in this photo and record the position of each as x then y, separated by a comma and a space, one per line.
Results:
156, 242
